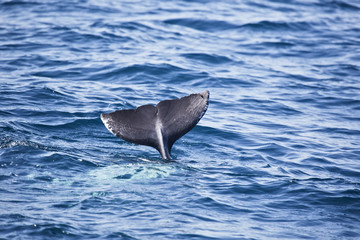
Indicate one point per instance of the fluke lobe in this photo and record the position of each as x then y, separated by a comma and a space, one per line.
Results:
158, 126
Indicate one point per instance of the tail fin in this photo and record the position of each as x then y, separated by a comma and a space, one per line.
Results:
158, 126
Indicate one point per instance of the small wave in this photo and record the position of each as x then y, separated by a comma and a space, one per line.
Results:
273, 149
343, 171
75, 124
43, 230
7, 142
317, 160
131, 73
271, 107
66, 205
59, 74
279, 26
228, 82
338, 4
338, 131
208, 58
38, 61
72, 36
15, 3
52, 230
56, 126
202, 25
25, 46
116, 173
204, 218
120, 235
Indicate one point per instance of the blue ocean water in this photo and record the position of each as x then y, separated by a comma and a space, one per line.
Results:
276, 156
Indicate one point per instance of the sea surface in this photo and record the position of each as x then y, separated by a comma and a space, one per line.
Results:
276, 156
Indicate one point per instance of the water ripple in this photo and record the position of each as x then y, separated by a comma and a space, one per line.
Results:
275, 156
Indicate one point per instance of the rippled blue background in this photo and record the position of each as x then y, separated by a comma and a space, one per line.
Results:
275, 157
